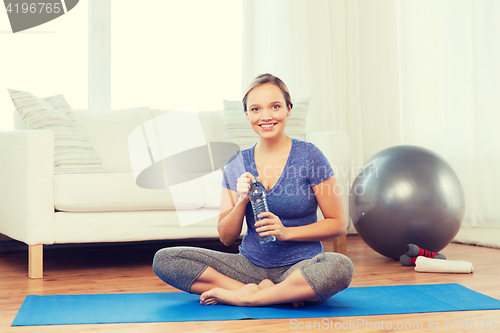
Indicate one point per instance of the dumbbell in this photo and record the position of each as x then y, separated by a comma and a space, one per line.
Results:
413, 251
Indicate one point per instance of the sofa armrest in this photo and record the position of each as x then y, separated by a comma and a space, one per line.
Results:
26, 193
336, 147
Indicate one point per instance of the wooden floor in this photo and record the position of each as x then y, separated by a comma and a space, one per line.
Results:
127, 269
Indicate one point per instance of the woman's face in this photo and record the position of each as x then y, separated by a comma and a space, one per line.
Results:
267, 110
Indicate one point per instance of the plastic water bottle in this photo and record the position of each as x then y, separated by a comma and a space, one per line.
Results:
259, 205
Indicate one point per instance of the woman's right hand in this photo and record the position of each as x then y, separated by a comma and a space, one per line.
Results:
243, 185
232, 213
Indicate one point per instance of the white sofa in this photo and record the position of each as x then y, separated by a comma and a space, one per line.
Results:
40, 208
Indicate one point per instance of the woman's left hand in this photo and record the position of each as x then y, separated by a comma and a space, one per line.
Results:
271, 225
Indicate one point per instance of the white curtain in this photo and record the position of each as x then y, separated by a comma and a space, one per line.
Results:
393, 72
431, 77
309, 45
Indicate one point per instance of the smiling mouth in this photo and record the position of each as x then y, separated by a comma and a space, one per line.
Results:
267, 126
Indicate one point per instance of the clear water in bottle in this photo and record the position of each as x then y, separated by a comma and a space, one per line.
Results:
259, 205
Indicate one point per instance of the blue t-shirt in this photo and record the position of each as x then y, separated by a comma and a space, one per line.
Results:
291, 199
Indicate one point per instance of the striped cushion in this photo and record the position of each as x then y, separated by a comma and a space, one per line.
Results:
237, 128
73, 152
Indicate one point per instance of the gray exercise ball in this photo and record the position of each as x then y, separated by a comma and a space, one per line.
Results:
406, 195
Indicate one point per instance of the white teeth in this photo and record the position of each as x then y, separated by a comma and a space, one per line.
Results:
267, 126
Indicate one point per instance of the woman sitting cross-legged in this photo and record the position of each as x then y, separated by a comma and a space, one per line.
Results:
296, 178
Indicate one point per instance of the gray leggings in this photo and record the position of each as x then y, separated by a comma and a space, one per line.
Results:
327, 273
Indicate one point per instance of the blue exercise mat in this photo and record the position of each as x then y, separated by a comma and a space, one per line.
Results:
175, 307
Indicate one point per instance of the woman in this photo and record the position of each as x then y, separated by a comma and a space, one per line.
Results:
296, 177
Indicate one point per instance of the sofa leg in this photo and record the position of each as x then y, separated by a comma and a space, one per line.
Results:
340, 244
35, 261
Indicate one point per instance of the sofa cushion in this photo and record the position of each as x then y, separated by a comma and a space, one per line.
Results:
237, 129
131, 226
73, 151
211, 123
108, 131
213, 192
118, 192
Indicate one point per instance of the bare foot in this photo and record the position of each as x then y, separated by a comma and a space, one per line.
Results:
239, 297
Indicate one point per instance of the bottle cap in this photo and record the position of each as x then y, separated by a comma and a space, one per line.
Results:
254, 184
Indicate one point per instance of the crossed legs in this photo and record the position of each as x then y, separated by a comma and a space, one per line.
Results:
223, 278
